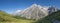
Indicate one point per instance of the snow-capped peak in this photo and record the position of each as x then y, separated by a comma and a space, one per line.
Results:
34, 4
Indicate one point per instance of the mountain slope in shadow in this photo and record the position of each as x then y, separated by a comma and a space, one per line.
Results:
51, 18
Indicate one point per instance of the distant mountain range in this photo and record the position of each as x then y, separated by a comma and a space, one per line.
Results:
36, 11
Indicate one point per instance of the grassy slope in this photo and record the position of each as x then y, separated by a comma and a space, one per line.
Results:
7, 18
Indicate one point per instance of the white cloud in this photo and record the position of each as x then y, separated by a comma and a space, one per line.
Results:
17, 11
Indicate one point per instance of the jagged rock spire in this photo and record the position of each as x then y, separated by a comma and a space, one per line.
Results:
52, 9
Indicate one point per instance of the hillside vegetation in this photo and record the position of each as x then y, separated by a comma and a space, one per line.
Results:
50, 17
7, 18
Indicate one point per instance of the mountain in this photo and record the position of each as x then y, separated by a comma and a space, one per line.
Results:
34, 12
52, 9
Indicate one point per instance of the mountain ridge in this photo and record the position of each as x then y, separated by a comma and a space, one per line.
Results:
35, 12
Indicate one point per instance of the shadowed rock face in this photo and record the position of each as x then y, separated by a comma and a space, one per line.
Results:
34, 12
52, 9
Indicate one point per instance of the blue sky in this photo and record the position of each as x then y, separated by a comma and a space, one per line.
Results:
13, 5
